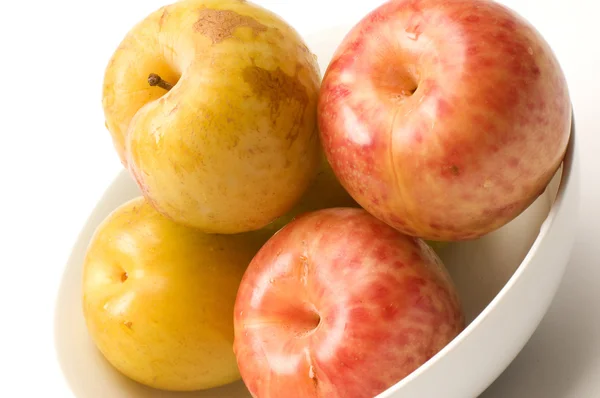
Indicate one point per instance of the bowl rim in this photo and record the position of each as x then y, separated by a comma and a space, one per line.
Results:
565, 176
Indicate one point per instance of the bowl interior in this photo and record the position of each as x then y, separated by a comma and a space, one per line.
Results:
480, 268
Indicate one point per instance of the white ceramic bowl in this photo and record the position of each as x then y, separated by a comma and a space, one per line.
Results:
506, 281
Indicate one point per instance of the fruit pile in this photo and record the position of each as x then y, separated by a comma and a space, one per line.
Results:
284, 230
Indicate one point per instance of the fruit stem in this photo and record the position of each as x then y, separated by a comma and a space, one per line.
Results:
155, 80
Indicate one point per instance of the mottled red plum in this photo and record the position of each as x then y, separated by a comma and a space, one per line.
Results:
340, 304
445, 119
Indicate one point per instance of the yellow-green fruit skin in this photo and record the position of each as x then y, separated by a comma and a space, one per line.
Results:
234, 144
158, 298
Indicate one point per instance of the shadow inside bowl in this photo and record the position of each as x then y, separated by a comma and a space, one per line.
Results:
481, 267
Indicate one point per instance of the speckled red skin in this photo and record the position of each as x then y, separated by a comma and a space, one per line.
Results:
339, 304
477, 142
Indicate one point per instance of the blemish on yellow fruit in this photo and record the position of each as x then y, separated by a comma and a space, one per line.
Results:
174, 109
164, 14
278, 86
219, 25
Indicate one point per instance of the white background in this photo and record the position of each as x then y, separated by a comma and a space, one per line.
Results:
56, 159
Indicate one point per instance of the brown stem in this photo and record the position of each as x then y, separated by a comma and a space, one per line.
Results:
155, 80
